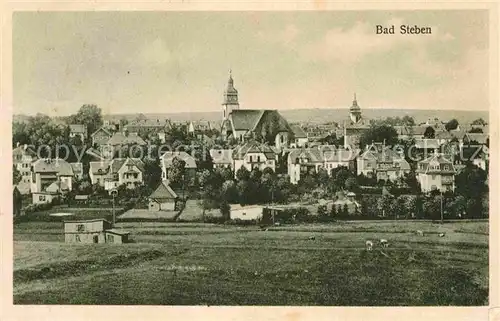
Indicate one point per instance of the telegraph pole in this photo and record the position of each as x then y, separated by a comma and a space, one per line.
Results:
113, 193
442, 217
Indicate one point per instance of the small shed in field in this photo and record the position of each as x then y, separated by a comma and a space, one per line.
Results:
93, 231
116, 236
249, 212
163, 198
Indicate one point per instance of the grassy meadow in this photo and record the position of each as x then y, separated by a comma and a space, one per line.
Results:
204, 264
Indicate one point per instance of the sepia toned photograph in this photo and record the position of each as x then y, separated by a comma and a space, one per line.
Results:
251, 158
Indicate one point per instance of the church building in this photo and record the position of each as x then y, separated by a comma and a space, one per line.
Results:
265, 125
354, 126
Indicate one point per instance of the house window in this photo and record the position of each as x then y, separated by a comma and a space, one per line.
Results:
42, 198
446, 167
258, 159
110, 238
77, 238
80, 228
433, 177
136, 175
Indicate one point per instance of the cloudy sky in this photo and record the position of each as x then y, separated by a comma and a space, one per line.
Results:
129, 62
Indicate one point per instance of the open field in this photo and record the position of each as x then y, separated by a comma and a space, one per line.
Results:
195, 263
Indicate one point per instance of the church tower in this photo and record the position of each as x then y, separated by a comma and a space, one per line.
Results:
230, 98
355, 111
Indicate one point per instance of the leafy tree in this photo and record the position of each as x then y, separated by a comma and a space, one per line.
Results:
202, 157
255, 175
89, 115
283, 190
408, 121
430, 132
456, 206
364, 180
242, 174
341, 174
243, 187
225, 210
333, 211
204, 177
226, 173
177, 171
384, 205
308, 182
98, 190
471, 182
379, 133
451, 125
152, 173
85, 187
351, 184
476, 130
432, 207
16, 175
479, 121
345, 210
323, 177
229, 192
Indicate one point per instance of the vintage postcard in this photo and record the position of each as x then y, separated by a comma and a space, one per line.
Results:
183, 160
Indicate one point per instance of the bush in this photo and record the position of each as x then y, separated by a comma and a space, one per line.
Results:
240, 222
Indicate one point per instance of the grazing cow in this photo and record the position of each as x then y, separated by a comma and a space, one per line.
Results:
441, 234
369, 245
312, 237
384, 242
277, 224
420, 233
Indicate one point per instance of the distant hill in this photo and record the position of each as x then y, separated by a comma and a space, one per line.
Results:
325, 115
317, 115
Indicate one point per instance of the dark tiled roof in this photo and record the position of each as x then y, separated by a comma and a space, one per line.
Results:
78, 128
478, 137
115, 165
99, 168
122, 139
382, 154
312, 154
221, 156
253, 147
245, 119
439, 159
59, 166
168, 157
424, 143
298, 132
57, 187
163, 192
103, 130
